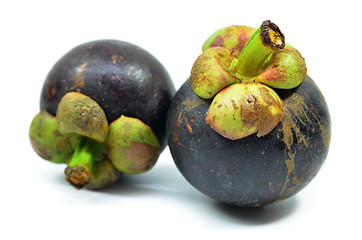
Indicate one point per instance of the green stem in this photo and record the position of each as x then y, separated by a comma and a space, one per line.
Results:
266, 40
78, 172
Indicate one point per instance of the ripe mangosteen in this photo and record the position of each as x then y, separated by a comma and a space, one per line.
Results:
103, 111
249, 127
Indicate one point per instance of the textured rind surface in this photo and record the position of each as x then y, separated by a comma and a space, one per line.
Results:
121, 77
252, 171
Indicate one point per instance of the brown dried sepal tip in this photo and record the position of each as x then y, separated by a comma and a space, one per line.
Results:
77, 176
272, 36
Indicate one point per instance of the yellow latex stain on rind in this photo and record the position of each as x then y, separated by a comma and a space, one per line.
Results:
291, 132
189, 105
291, 167
79, 79
289, 126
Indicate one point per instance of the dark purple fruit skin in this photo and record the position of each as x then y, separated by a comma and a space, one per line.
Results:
122, 78
252, 171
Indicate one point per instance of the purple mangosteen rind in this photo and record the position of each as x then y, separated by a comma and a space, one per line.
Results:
269, 163
121, 77
251, 171
103, 112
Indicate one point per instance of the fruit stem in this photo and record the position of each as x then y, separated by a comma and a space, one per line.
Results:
78, 172
266, 40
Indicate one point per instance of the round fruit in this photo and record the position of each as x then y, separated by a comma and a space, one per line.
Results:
254, 170
103, 112
121, 77
249, 127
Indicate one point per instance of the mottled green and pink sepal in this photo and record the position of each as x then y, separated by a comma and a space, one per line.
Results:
214, 69
285, 69
243, 109
209, 74
131, 145
239, 67
232, 38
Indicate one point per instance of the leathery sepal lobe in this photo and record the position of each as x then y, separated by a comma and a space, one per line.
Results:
79, 114
131, 145
232, 38
103, 173
47, 141
284, 69
243, 109
209, 73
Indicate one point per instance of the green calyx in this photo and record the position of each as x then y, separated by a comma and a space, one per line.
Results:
264, 59
79, 135
232, 38
266, 40
80, 166
208, 75
131, 145
79, 114
243, 109
46, 139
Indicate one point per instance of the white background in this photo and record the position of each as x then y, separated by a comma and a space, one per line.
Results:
37, 203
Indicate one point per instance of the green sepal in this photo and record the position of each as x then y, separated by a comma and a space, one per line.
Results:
209, 73
103, 173
252, 57
47, 141
285, 69
131, 145
232, 38
243, 109
79, 114
237, 72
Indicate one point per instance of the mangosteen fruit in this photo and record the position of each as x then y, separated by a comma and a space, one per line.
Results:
103, 110
249, 127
